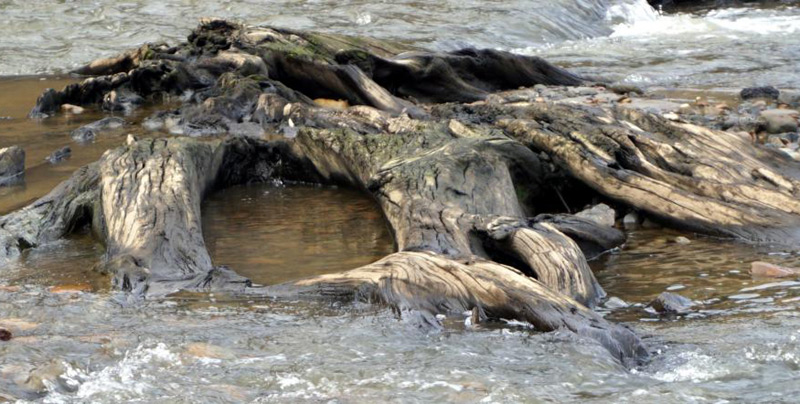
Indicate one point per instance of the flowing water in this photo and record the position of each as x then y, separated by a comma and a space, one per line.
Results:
622, 40
80, 342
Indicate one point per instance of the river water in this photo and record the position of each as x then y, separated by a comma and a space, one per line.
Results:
80, 342
623, 40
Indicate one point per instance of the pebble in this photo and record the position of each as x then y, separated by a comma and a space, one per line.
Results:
631, 219
12, 164
777, 121
72, 109
791, 97
682, 240
671, 303
768, 270
615, 303
5, 335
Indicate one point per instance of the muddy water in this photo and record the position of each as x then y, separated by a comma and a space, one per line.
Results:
741, 343
39, 138
81, 342
276, 233
98, 347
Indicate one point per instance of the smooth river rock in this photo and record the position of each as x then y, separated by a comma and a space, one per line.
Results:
767, 270
779, 120
671, 303
12, 165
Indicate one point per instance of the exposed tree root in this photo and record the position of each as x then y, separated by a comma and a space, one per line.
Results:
458, 183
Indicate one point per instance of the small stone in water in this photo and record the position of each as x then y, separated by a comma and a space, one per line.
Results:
671, 303
615, 303
676, 287
631, 219
80, 287
72, 109
5, 335
766, 269
682, 240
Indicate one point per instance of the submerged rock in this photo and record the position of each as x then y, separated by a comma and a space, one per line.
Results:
791, 97
614, 303
768, 270
671, 303
5, 335
88, 132
12, 165
59, 155
631, 220
777, 121
204, 350
767, 92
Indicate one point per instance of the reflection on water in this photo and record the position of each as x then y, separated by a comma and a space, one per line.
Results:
65, 263
274, 234
711, 271
40, 137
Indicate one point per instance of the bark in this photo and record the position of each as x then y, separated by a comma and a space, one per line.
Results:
468, 189
692, 177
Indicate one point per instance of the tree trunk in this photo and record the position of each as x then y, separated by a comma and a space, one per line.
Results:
458, 183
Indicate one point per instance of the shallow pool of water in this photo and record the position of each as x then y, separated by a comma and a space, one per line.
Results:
273, 233
41, 137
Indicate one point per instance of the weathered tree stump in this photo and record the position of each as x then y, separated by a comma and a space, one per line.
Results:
466, 167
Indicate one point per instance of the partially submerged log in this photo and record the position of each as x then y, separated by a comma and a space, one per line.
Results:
472, 192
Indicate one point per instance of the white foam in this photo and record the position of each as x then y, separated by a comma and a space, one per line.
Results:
632, 21
695, 367
128, 377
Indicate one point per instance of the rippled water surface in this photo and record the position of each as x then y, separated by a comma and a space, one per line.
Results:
78, 342
622, 40
74, 346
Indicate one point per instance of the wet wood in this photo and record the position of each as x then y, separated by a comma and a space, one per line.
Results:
465, 166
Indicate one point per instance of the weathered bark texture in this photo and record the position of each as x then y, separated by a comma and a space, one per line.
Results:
469, 190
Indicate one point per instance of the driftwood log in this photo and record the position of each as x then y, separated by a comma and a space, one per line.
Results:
475, 174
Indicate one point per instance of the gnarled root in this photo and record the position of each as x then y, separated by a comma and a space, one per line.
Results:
438, 284
458, 183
